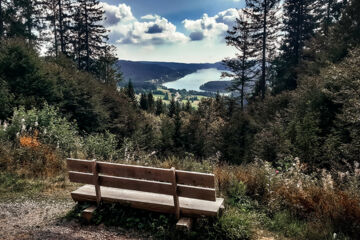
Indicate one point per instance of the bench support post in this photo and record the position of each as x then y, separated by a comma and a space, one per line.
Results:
176, 197
96, 182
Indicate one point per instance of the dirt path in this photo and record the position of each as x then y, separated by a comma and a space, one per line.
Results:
43, 219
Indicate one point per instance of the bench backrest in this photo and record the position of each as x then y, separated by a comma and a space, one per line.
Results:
147, 179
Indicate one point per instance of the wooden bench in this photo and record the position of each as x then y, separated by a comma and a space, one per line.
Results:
183, 193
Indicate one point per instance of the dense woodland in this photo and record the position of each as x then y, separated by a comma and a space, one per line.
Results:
296, 78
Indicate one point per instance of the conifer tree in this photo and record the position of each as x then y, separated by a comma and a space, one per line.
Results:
266, 24
159, 107
172, 108
130, 92
299, 27
59, 16
242, 68
89, 37
151, 103
144, 102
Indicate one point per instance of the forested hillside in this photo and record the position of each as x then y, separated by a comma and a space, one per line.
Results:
286, 161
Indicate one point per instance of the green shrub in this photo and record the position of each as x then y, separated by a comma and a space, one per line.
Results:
102, 146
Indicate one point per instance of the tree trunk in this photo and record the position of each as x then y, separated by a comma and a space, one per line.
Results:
263, 68
1, 21
61, 27
87, 39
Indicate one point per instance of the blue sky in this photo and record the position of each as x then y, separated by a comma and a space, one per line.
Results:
171, 30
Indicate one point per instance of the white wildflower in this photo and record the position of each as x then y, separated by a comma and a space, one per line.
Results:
36, 124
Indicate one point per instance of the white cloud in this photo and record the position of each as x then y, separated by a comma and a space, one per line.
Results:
211, 27
149, 30
115, 14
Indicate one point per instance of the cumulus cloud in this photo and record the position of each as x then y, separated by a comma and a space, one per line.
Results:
149, 30
211, 27
116, 14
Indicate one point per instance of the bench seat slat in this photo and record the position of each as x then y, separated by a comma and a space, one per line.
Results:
149, 201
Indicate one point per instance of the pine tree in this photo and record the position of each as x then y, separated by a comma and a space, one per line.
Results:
89, 36
144, 102
130, 92
1, 19
299, 27
265, 22
29, 19
59, 16
328, 12
242, 68
151, 103
172, 108
188, 106
159, 107
105, 69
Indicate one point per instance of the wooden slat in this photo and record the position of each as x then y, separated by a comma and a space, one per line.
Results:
195, 179
196, 192
77, 165
136, 184
133, 171
149, 201
78, 177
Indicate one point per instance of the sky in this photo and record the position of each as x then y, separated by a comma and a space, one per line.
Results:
190, 31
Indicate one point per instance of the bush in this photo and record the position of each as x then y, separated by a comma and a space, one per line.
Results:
101, 146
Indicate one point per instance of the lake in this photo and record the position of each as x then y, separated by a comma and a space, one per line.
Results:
194, 80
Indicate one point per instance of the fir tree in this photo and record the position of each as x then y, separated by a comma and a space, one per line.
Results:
130, 92
299, 27
89, 35
172, 108
151, 102
159, 107
144, 102
242, 68
263, 17
59, 17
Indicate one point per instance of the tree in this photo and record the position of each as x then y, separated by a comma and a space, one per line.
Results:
105, 69
89, 36
130, 92
262, 14
151, 102
188, 106
328, 12
144, 102
59, 15
299, 27
159, 107
242, 67
29, 14
172, 108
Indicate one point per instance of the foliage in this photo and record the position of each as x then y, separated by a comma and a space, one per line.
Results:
101, 146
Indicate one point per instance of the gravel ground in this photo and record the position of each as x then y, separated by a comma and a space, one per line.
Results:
43, 219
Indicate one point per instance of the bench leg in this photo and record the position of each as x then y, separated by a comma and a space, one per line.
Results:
184, 224
87, 214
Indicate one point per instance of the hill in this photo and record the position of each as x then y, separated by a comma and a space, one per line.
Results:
145, 74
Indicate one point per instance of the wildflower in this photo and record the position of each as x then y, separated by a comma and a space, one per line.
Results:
356, 164
277, 171
36, 124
